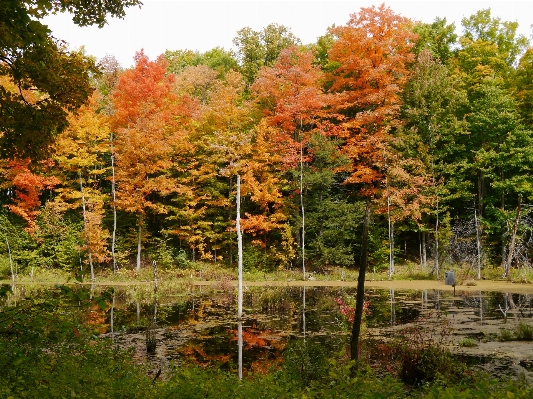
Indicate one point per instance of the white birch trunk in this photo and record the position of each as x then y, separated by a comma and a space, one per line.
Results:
302, 206
478, 244
239, 248
113, 193
391, 244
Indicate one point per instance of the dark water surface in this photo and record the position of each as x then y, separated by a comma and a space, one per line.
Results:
202, 327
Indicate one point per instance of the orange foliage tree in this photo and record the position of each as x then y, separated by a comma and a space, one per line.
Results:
27, 184
82, 153
147, 124
293, 102
372, 53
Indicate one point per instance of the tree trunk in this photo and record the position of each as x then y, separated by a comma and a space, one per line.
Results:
360, 298
436, 260
302, 207
478, 244
230, 218
391, 249
113, 193
239, 247
86, 229
513, 239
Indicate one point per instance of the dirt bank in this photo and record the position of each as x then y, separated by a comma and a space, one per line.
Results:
482, 285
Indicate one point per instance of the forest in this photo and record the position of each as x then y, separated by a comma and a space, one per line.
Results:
427, 131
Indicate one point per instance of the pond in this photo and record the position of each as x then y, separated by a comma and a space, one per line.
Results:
200, 326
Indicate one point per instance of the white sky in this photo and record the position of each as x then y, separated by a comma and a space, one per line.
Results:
202, 25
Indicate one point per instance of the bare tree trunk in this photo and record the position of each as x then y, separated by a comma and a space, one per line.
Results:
513, 239
239, 248
156, 282
229, 219
436, 260
424, 250
86, 229
113, 193
360, 298
391, 232
391, 251
302, 207
478, 244
391, 235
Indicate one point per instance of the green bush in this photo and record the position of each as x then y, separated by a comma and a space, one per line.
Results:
5, 267
524, 332
428, 364
505, 335
255, 258
163, 253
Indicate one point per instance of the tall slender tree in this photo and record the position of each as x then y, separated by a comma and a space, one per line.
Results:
373, 52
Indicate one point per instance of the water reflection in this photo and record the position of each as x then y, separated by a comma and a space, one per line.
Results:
201, 327
240, 349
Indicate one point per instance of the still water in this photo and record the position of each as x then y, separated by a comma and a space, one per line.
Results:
201, 326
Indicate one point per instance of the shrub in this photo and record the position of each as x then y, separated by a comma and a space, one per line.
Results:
427, 365
423, 355
505, 335
524, 332
468, 343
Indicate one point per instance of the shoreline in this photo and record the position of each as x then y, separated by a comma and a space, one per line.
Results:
481, 285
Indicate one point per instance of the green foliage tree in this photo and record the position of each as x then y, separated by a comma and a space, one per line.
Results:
482, 27
438, 38
218, 59
258, 49
431, 137
40, 80
523, 83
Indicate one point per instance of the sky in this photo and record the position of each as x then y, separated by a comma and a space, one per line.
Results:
201, 25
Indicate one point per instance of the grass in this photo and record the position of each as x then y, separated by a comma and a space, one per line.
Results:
183, 276
468, 342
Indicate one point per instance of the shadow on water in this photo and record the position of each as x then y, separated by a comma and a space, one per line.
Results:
202, 327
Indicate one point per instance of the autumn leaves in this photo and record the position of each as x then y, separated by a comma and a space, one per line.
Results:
380, 111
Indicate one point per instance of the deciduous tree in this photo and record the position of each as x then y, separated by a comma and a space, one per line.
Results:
146, 121
373, 52
33, 61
